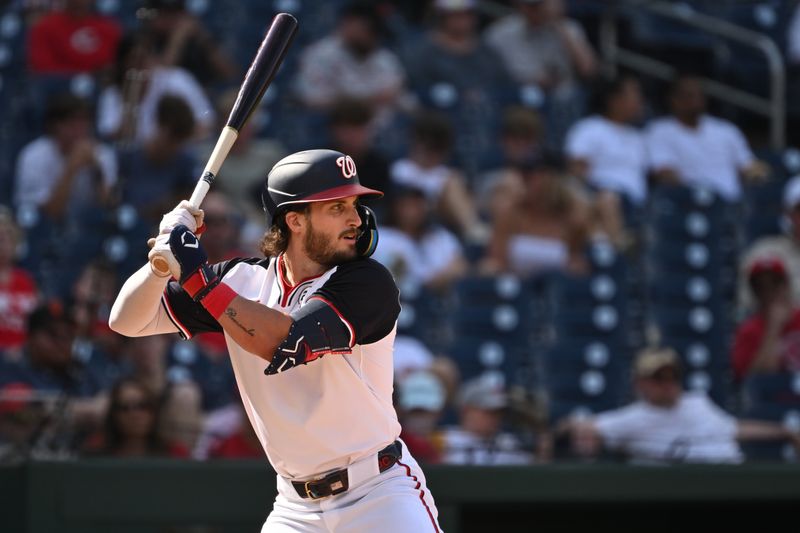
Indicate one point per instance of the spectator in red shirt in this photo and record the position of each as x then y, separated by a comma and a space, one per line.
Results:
768, 341
18, 293
73, 39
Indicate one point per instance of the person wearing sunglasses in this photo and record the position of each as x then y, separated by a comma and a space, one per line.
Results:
131, 426
666, 424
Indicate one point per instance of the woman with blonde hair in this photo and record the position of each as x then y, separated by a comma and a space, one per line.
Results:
543, 224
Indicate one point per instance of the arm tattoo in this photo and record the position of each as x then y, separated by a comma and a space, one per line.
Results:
231, 313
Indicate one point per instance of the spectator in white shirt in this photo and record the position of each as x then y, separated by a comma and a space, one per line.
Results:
695, 149
668, 425
352, 63
414, 248
480, 439
65, 171
606, 149
127, 109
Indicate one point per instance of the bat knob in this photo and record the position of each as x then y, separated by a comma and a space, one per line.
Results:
160, 266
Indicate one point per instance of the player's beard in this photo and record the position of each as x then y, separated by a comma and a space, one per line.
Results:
322, 249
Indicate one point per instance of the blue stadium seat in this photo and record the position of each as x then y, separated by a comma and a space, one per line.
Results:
690, 322
502, 321
584, 391
604, 258
674, 199
780, 391
425, 315
569, 356
746, 67
693, 225
475, 355
682, 290
772, 397
484, 290
687, 258
590, 307
763, 209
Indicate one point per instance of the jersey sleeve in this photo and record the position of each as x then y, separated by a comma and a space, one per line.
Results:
365, 297
189, 316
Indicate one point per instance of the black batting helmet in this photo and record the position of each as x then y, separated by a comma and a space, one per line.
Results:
311, 176
317, 176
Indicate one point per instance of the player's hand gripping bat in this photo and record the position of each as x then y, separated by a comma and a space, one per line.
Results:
260, 74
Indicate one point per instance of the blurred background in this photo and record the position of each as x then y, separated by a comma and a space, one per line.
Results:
592, 211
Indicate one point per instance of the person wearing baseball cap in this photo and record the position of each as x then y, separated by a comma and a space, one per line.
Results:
310, 329
785, 246
769, 340
666, 424
479, 438
421, 399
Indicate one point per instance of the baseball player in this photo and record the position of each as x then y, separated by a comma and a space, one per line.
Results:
310, 331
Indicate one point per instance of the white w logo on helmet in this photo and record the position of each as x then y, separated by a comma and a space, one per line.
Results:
347, 165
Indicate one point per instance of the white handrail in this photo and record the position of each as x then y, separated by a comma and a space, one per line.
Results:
773, 107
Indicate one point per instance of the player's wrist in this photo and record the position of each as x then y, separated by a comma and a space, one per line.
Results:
200, 282
217, 300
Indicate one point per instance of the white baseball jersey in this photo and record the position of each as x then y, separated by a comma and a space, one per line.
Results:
334, 410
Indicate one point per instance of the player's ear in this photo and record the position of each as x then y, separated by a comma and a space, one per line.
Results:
295, 221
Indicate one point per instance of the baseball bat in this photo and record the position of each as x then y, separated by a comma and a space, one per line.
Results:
262, 71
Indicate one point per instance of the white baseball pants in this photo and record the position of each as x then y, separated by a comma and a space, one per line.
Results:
395, 501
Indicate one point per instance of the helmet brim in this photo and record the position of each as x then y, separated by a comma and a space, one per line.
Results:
353, 189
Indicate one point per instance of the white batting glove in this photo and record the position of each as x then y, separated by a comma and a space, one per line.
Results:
159, 247
184, 213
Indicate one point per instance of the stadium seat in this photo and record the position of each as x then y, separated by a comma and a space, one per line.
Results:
425, 315
475, 355
772, 397
589, 391
484, 290
681, 290
692, 258
763, 208
693, 225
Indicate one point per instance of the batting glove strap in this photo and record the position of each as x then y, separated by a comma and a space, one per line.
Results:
197, 278
200, 282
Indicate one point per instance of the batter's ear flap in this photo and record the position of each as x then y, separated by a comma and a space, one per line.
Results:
368, 236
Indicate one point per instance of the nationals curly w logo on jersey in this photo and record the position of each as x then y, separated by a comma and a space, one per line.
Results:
347, 165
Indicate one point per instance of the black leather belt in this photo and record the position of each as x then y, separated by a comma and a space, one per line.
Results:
338, 482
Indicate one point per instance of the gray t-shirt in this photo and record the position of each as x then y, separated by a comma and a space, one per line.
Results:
534, 54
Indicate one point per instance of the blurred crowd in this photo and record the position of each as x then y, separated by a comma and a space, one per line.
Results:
592, 264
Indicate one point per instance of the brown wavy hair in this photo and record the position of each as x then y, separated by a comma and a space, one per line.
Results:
276, 239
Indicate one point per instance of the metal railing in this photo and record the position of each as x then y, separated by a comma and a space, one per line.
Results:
773, 107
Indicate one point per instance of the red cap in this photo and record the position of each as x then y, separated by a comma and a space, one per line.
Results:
771, 264
14, 397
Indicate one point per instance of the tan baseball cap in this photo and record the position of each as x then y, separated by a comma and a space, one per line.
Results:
651, 360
